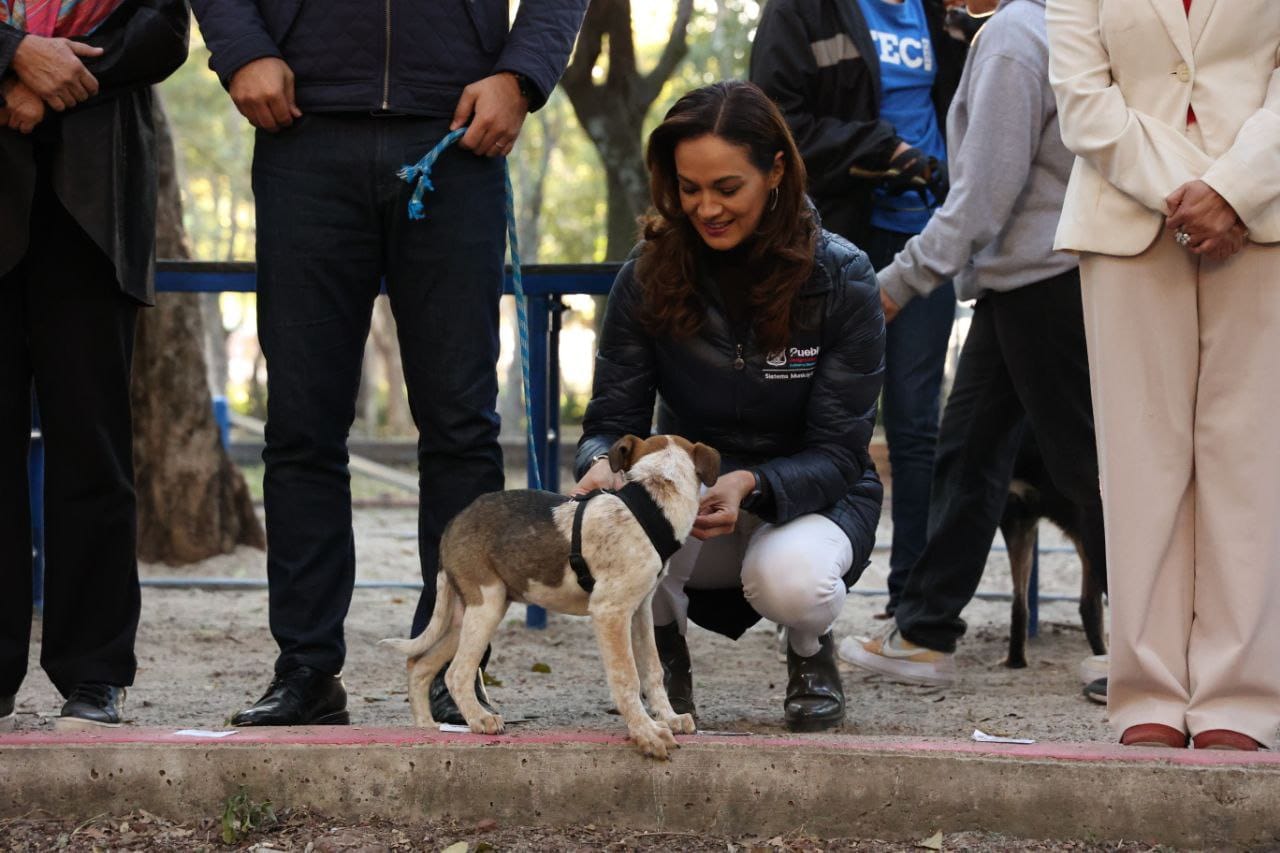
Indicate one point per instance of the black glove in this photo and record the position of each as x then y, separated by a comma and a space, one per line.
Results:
912, 171
939, 181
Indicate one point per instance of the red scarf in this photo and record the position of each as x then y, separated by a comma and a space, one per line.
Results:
64, 18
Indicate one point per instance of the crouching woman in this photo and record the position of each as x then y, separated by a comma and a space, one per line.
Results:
761, 335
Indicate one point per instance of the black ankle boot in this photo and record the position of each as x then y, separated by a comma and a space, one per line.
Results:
815, 696
677, 670
443, 708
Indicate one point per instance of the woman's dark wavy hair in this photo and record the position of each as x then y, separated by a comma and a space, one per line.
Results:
782, 247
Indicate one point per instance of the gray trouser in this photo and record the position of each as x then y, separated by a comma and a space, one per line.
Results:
790, 573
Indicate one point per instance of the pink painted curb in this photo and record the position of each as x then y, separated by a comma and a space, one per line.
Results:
360, 736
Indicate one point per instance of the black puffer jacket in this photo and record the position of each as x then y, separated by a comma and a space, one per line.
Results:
802, 419
817, 60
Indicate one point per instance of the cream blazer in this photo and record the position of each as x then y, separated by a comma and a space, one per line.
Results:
1124, 73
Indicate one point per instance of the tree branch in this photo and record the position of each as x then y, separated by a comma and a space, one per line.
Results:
577, 77
672, 55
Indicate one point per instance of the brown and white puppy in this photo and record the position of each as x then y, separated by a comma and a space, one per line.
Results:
514, 546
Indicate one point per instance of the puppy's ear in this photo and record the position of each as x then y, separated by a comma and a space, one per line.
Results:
623, 453
706, 461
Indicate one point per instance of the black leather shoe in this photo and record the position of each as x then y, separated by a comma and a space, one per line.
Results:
815, 696
677, 669
92, 705
443, 708
300, 697
6, 713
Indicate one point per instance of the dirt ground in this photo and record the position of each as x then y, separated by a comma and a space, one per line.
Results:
307, 833
202, 655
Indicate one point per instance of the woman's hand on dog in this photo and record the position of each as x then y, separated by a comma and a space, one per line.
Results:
718, 510
598, 476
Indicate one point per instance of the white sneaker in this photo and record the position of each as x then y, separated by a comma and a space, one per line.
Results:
1094, 667
890, 654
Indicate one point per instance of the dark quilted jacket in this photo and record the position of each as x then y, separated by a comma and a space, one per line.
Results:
409, 56
803, 422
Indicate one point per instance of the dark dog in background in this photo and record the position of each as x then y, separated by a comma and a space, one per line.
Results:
1032, 496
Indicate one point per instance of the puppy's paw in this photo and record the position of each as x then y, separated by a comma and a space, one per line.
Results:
654, 740
487, 724
681, 724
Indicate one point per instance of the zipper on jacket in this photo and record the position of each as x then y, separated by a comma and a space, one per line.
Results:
386, 63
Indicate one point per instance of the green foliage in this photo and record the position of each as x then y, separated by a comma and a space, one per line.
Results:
215, 146
241, 816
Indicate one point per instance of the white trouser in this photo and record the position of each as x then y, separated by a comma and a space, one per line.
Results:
1183, 354
790, 574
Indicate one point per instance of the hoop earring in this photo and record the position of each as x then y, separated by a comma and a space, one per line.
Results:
773, 203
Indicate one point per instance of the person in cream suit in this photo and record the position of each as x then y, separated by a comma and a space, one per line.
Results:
1173, 110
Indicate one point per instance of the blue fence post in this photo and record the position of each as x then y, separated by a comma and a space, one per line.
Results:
35, 487
539, 361
222, 415
551, 455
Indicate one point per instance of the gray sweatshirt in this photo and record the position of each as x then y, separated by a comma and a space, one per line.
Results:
1008, 166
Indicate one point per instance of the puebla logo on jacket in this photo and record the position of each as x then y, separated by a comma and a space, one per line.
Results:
791, 363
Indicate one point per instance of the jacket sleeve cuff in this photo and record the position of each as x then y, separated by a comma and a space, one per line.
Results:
589, 448
10, 38
892, 283
239, 53
1240, 191
519, 62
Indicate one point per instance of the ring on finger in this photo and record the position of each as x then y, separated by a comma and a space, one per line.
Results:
1182, 238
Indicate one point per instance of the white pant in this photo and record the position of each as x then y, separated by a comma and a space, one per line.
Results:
790, 574
1183, 353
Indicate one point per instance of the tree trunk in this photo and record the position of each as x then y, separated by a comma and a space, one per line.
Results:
192, 502
382, 331
627, 184
613, 112
215, 342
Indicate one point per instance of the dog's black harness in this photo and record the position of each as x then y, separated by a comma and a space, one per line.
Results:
646, 511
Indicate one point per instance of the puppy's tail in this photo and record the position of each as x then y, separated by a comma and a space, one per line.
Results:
441, 619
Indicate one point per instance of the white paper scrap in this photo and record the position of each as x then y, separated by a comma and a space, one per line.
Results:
204, 733
453, 728
982, 737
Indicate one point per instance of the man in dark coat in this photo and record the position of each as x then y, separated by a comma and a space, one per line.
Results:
77, 244
343, 95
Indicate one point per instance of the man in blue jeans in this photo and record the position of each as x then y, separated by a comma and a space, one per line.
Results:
865, 86
343, 95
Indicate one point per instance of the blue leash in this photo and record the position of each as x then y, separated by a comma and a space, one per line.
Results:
421, 172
